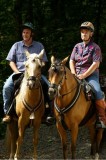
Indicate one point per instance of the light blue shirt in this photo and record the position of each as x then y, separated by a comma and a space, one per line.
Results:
17, 53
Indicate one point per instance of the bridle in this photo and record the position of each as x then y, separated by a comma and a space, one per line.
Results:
57, 87
34, 79
37, 84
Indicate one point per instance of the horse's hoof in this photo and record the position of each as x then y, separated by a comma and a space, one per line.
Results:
96, 156
15, 158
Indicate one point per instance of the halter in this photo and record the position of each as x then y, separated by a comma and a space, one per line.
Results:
55, 86
31, 78
30, 108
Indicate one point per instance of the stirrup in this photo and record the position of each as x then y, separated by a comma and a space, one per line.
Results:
50, 120
100, 124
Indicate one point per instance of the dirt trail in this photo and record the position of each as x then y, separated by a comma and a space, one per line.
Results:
49, 146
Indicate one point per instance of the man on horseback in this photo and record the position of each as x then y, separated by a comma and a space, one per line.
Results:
16, 58
84, 63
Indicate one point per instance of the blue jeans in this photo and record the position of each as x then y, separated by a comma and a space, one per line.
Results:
8, 91
93, 79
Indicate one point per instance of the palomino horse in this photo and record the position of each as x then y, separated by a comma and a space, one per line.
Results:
71, 107
29, 105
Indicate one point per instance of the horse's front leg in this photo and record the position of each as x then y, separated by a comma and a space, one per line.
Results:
95, 137
13, 148
98, 141
35, 138
74, 135
92, 132
21, 130
12, 135
63, 136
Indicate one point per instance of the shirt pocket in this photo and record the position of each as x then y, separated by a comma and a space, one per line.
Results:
21, 57
77, 57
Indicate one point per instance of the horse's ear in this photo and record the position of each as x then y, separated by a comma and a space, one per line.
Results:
52, 59
27, 53
41, 54
65, 60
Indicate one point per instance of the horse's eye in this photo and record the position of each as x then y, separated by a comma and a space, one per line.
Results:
52, 65
33, 60
39, 66
26, 66
61, 68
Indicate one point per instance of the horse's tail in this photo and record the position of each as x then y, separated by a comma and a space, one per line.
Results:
11, 136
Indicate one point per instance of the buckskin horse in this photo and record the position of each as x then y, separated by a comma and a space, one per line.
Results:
29, 106
71, 108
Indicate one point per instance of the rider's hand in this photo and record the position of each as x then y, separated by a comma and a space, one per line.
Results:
81, 76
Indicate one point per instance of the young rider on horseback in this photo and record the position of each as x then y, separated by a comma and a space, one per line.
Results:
84, 63
16, 57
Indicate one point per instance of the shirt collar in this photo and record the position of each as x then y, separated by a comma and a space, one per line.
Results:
87, 43
27, 46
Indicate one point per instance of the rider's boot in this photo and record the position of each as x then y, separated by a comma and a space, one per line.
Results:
101, 113
7, 117
17, 79
50, 118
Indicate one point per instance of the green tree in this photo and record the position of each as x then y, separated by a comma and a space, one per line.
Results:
56, 26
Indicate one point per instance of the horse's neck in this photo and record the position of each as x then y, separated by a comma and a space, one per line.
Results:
31, 96
68, 88
70, 81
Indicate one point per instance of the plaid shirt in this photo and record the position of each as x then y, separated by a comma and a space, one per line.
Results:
84, 56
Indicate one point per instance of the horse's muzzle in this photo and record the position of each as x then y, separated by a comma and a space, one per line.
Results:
31, 82
52, 91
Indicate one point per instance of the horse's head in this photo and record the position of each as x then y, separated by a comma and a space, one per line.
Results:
57, 75
33, 67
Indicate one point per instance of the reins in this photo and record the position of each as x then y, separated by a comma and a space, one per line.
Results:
68, 92
75, 98
58, 87
68, 107
30, 108
33, 108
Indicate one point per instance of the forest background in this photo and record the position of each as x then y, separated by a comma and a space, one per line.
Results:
56, 26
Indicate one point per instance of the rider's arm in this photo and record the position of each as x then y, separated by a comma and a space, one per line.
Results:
72, 66
90, 70
13, 67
